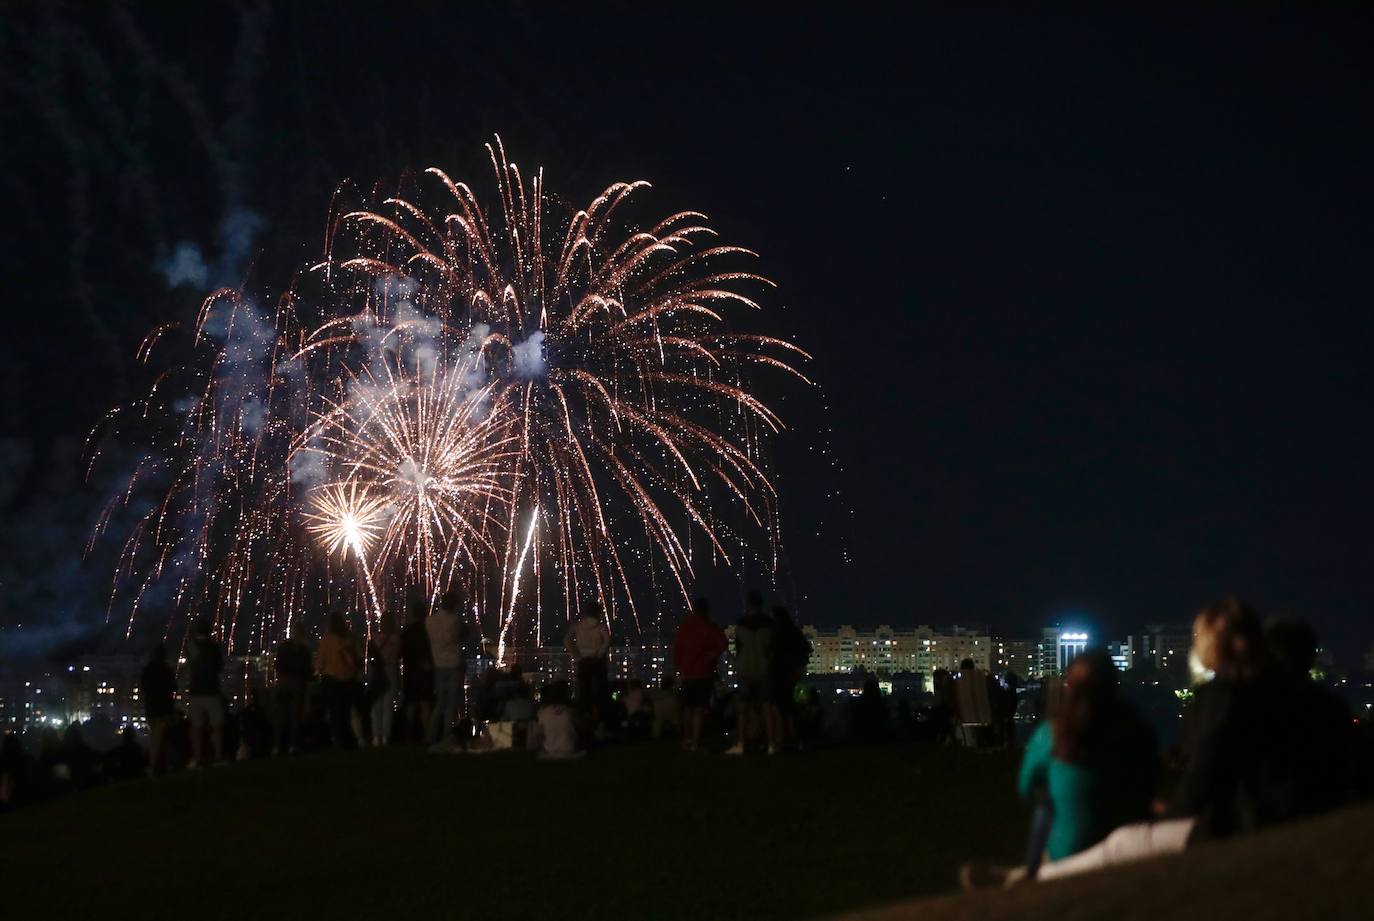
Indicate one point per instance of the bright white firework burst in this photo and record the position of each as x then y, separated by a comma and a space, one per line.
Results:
466, 398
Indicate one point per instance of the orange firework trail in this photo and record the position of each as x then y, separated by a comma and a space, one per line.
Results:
458, 396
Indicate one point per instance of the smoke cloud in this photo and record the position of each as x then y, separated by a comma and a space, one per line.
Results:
529, 357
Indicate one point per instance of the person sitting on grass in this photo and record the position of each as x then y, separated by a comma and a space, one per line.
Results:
1256, 758
667, 709
638, 716
555, 729
868, 718
1092, 765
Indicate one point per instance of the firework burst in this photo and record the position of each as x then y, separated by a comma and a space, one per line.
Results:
527, 404
436, 450
343, 517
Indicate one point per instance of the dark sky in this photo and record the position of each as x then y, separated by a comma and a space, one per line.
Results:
1089, 297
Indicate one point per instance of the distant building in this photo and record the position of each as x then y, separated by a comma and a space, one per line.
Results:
31, 697
1047, 653
1120, 653
12, 698
543, 664
646, 663
1021, 656
105, 686
1059, 647
1162, 648
884, 651
950, 647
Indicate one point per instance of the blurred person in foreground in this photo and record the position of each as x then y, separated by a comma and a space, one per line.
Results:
1091, 767
1255, 757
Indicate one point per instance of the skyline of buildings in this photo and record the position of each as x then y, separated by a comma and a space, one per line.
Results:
906, 659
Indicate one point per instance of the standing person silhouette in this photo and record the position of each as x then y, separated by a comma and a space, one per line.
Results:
384, 678
294, 670
588, 642
157, 684
340, 664
754, 656
697, 646
417, 673
445, 629
205, 663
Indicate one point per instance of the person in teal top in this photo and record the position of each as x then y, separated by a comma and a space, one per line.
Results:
1095, 760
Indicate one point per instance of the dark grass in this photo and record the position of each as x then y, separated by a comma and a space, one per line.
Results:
641, 832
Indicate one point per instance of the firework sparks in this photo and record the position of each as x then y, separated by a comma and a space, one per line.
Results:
445, 375
420, 442
343, 518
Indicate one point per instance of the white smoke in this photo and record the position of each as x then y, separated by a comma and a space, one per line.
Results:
252, 414
426, 359
420, 325
186, 266
244, 333
392, 287
307, 468
529, 357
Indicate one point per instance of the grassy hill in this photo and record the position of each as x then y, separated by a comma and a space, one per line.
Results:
642, 832
1320, 869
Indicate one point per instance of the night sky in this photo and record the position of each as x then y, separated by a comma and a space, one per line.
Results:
1089, 298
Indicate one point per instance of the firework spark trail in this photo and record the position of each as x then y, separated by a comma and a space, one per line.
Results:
443, 372
509, 618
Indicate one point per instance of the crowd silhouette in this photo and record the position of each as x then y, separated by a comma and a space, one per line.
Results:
1263, 743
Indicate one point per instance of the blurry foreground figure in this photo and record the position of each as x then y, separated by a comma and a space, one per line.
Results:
1259, 753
